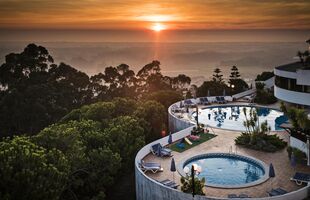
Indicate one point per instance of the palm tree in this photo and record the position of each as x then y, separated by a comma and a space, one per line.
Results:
301, 56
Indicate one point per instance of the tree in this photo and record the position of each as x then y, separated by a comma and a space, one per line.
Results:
165, 97
126, 137
180, 82
301, 56
117, 81
304, 57
264, 96
211, 87
101, 112
29, 171
239, 85
37, 92
298, 118
93, 165
188, 188
217, 76
234, 73
150, 79
152, 117
264, 76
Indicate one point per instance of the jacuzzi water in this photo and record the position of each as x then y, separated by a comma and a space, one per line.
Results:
228, 170
232, 117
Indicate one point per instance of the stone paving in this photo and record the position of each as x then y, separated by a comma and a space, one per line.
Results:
222, 143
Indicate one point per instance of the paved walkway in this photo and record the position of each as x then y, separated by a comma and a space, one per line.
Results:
222, 143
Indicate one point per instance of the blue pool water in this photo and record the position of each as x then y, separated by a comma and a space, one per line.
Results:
228, 170
232, 117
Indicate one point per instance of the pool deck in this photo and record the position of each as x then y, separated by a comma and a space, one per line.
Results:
222, 143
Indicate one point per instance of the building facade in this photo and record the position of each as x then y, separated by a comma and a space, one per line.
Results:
292, 84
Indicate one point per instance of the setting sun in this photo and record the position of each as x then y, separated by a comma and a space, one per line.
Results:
158, 27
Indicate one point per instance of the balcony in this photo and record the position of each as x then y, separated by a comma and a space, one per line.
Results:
292, 96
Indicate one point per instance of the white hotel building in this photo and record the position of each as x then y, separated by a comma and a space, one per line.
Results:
292, 84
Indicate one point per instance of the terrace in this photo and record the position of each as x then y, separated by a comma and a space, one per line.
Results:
224, 143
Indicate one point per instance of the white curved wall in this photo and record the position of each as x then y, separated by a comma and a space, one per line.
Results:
285, 74
296, 143
292, 96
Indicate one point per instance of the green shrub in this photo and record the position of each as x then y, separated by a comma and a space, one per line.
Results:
300, 156
264, 76
187, 185
261, 142
265, 97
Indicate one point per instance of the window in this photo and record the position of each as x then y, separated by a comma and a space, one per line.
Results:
290, 84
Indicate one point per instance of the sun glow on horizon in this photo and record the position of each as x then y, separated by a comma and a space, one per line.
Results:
158, 27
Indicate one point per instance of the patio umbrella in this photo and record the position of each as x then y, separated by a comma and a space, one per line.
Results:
170, 138
293, 160
224, 92
181, 104
172, 167
271, 172
158, 150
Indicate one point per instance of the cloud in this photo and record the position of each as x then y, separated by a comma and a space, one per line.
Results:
135, 14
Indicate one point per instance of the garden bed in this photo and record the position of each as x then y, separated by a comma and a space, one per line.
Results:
203, 137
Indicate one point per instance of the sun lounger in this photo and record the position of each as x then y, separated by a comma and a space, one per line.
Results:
176, 109
187, 141
169, 183
157, 148
148, 166
276, 192
188, 103
223, 100
243, 196
204, 101
301, 178
231, 196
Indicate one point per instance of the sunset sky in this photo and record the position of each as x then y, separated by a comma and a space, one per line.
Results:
142, 14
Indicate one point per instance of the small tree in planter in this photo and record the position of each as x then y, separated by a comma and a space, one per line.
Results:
187, 186
198, 130
300, 156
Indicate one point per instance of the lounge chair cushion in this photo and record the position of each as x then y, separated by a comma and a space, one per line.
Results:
232, 196
277, 192
302, 177
163, 151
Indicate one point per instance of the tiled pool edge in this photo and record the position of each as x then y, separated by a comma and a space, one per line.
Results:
263, 179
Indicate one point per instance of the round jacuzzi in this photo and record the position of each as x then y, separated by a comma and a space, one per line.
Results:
225, 170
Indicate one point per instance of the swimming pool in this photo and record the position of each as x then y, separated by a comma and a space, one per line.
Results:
232, 117
228, 170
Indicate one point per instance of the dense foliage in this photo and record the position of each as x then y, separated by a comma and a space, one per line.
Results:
83, 155
264, 96
299, 120
29, 171
35, 92
300, 156
217, 86
264, 76
256, 135
304, 56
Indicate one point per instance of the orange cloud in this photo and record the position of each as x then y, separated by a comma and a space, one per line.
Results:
140, 14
